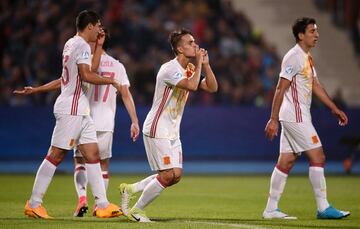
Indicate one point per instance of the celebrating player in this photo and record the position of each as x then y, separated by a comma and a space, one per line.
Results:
102, 99
291, 105
162, 125
74, 125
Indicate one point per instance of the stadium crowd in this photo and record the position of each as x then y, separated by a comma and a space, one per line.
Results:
34, 32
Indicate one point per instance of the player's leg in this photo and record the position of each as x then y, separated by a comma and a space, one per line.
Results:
92, 164
317, 178
279, 176
277, 185
104, 164
165, 156
80, 181
165, 178
105, 139
65, 133
42, 181
89, 148
128, 191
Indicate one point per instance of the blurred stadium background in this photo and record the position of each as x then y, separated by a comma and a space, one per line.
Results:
221, 133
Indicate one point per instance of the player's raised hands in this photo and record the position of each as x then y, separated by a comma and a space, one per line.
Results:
101, 37
271, 129
341, 116
198, 54
134, 131
205, 59
25, 91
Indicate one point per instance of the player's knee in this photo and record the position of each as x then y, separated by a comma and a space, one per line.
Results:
79, 160
318, 161
56, 155
104, 164
165, 179
285, 166
170, 177
176, 179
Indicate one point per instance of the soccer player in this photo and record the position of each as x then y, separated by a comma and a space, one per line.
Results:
162, 125
74, 125
102, 108
102, 99
291, 105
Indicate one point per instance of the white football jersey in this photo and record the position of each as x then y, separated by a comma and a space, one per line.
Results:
298, 68
72, 99
163, 120
103, 97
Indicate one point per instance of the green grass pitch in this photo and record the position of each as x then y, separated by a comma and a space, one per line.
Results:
196, 202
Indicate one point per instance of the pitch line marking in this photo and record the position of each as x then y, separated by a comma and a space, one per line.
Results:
237, 225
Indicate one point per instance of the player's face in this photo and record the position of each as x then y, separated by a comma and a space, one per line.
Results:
188, 46
311, 35
95, 30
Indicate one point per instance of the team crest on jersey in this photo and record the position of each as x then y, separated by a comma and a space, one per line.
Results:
178, 75
85, 55
289, 69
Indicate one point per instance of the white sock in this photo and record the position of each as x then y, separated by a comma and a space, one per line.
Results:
139, 186
80, 179
42, 180
105, 175
277, 185
317, 179
97, 184
151, 191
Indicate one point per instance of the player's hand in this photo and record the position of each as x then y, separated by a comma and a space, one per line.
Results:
101, 37
117, 85
198, 55
134, 131
271, 129
341, 116
205, 55
25, 91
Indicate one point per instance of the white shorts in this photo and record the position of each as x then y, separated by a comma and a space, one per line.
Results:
105, 140
73, 130
298, 137
163, 153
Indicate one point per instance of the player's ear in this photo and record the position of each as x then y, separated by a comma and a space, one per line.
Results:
301, 36
179, 49
90, 26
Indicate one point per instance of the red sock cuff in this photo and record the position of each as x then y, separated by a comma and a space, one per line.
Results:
282, 169
80, 167
52, 161
105, 174
314, 164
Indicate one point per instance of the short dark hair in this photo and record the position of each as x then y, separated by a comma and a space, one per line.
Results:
175, 36
107, 41
86, 17
300, 26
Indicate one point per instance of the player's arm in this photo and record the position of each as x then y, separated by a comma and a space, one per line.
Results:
320, 92
192, 83
95, 61
94, 78
209, 83
51, 86
272, 125
130, 107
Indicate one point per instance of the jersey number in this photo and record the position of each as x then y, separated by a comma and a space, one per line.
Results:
65, 78
107, 89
